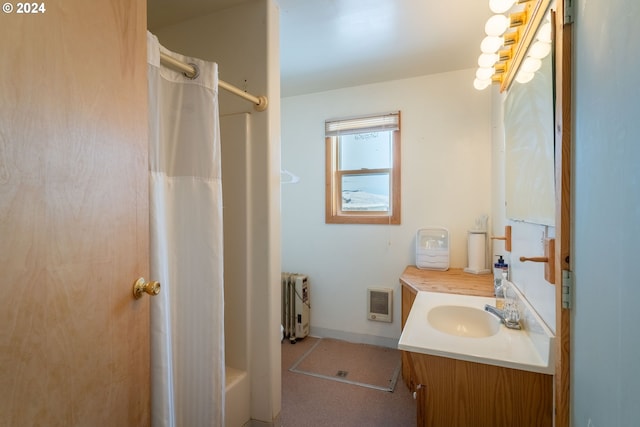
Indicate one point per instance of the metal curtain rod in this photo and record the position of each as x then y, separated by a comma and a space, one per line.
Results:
259, 101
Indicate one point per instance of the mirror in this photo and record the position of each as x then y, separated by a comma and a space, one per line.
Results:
529, 147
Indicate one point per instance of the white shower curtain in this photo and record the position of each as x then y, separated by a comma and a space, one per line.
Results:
187, 329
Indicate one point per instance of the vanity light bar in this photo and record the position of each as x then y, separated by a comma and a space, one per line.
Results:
514, 44
536, 14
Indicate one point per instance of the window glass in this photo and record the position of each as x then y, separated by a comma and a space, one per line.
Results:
371, 150
365, 192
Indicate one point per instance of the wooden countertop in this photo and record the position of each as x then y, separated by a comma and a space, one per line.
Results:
452, 281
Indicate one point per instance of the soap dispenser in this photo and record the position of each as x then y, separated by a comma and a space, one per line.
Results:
500, 270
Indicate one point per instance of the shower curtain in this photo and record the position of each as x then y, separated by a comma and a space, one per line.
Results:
187, 319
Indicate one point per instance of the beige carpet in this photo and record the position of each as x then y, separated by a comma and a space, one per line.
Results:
358, 364
309, 401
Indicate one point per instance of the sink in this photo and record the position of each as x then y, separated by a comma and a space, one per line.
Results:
463, 321
456, 326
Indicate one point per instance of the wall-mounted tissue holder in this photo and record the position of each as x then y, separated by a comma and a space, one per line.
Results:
548, 259
506, 238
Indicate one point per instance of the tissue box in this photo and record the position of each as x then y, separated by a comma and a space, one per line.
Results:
432, 249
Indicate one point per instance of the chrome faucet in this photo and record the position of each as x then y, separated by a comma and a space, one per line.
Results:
509, 317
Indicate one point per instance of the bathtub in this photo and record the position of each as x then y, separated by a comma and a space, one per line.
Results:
237, 411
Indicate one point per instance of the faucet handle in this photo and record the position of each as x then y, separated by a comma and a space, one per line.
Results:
512, 314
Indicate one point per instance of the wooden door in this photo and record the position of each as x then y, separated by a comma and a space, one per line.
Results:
74, 344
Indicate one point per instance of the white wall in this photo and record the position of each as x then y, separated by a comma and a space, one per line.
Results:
244, 41
446, 181
606, 222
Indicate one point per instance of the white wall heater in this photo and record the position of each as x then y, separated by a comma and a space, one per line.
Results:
380, 301
295, 306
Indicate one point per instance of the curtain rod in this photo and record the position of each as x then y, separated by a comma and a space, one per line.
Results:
259, 101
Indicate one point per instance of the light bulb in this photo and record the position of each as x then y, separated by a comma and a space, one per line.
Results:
497, 25
500, 6
539, 49
491, 44
530, 65
524, 77
484, 73
481, 84
544, 33
487, 60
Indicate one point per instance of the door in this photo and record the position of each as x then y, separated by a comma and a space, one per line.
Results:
74, 344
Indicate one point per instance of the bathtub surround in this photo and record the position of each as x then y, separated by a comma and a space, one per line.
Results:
187, 318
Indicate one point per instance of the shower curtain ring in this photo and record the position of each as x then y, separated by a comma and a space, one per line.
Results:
196, 72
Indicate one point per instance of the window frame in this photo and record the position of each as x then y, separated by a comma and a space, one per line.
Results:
333, 184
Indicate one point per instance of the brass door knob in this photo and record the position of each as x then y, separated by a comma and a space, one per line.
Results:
140, 287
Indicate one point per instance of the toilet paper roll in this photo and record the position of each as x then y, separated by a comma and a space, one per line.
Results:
477, 245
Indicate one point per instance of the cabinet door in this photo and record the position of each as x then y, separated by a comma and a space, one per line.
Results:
467, 394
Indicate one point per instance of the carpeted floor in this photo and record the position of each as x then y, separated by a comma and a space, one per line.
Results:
309, 401
361, 364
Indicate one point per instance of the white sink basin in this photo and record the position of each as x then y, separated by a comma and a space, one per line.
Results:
463, 321
456, 326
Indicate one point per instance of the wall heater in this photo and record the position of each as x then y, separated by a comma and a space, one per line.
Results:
295, 306
380, 301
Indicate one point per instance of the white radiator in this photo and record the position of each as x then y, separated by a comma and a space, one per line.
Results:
295, 306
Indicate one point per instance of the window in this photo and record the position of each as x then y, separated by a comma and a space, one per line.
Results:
363, 170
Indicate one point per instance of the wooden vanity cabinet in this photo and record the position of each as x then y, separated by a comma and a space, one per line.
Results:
453, 281
457, 393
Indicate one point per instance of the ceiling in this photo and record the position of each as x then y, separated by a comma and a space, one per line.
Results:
330, 44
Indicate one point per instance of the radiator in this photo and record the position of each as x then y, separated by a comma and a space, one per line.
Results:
295, 306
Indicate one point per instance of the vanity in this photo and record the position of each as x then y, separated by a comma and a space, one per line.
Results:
464, 367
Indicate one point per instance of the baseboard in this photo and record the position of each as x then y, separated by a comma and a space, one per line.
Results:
355, 337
